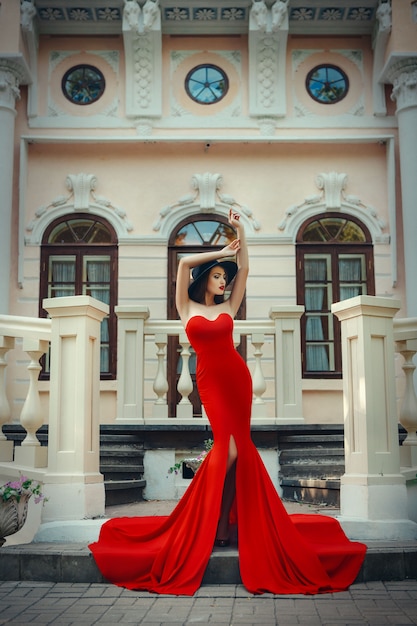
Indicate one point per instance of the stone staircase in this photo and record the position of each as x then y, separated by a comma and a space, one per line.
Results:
311, 463
121, 463
121, 460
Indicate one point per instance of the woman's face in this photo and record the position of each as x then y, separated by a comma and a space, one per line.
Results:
216, 283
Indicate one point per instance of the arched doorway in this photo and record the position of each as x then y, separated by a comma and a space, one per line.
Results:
198, 233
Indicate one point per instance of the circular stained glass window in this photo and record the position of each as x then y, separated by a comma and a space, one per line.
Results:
206, 84
83, 84
327, 84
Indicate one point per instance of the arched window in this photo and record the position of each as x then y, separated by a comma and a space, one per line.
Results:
334, 262
79, 257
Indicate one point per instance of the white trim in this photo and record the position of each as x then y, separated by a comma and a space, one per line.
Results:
346, 138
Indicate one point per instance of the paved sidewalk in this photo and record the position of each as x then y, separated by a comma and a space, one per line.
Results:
373, 604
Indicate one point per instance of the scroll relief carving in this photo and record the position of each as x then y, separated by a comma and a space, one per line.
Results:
81, 197
332, 197
206, 198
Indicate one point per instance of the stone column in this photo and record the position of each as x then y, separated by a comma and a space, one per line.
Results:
403, 75
9, 92
73, 481
373, 491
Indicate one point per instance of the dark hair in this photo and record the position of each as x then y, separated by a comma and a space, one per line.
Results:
199, 292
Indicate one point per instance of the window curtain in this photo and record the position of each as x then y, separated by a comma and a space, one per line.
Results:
316, 355
350, 271
98, 282
63, 278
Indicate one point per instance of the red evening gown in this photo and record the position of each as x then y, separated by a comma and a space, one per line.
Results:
278, 553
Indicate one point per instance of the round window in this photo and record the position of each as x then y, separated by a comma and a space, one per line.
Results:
327, 84
83, 84
206, 84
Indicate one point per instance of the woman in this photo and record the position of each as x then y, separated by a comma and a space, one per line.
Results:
277, 552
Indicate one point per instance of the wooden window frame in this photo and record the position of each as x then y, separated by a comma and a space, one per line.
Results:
80, 251
334, 250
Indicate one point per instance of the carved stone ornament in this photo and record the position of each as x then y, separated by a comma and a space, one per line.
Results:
81, 197
27, 14
332, 197
405, 89
9, 87
205, 198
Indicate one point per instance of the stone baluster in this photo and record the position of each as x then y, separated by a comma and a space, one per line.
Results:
6, 447
408, 411
160, 385
258, 379
405, 335
185, 383
30, 453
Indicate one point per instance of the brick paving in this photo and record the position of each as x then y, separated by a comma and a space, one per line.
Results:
84, 604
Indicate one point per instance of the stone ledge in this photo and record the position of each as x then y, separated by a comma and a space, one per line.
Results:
52, 562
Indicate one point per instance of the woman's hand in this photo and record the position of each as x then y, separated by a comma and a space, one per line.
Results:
234, 218
230, 250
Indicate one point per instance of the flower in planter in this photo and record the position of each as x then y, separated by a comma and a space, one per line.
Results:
23, 487
195, 462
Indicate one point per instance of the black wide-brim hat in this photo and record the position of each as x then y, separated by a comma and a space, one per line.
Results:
200, 271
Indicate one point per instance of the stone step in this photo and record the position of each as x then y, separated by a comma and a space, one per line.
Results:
306, 471
311, 453
73, 563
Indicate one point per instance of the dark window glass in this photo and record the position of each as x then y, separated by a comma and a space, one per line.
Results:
83, 84
206, 84
327, 84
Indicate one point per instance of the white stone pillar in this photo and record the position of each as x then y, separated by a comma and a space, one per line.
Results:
288, 389
373, 491
130, 362
9, 92
403, 75
73, 481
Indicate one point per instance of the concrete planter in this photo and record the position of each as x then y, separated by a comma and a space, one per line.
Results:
13, 514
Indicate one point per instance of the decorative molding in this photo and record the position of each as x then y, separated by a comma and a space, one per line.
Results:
9, 88
332, 197
81, 198
381, 36
143, 54
206, 197
268, 33
404, 90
